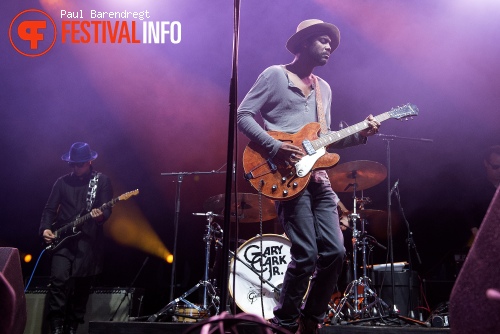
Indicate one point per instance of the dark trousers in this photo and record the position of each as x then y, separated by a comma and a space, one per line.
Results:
311, 223
67, 296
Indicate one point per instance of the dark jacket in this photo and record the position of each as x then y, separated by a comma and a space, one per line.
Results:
66, 202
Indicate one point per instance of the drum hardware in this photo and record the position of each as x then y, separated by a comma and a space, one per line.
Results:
359, 300
249, 207
276, 289
209, 289
180, 178
256, 289
363, 174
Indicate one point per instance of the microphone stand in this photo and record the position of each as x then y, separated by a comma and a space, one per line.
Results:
231, 169
410, 245
388, 139
180, 177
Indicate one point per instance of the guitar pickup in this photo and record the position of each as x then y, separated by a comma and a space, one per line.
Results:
308, 147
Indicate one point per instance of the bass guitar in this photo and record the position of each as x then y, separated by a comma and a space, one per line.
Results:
73, 228
280, 180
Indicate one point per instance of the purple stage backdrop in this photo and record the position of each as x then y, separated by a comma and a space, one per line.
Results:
146, 84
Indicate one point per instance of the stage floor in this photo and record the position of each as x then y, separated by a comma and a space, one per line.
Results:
250, 328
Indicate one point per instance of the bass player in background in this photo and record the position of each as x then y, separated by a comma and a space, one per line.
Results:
288, 97
76, 260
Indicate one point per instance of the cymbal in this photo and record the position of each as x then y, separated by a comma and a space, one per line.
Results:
247, 207
364, 173
373, 216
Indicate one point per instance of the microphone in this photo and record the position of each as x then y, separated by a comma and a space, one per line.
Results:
394, 187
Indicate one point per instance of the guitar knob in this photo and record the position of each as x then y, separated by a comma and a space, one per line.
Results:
274, 187
295, 184
283, 179
285, 193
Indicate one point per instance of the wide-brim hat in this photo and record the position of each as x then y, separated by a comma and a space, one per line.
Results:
79, 152
310, 28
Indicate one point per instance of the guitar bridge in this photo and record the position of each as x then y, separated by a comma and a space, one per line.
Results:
272, 168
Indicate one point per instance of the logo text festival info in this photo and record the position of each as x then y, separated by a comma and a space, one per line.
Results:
79, 30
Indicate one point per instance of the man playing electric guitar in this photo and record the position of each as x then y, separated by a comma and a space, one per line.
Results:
77, 260
289, 97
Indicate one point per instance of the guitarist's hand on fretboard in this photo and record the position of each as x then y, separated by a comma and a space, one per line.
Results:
97, 215
48, 236
373, 127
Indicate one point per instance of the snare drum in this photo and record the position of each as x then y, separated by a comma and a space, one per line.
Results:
184, 313
274, 257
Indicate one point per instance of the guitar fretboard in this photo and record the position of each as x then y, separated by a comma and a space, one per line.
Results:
335, 136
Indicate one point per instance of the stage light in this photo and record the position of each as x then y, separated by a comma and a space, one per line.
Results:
27, 258
127, 226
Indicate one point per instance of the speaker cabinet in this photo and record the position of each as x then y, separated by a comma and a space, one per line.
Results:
12, 299
105, 304
405, 299
37, 311
471, 311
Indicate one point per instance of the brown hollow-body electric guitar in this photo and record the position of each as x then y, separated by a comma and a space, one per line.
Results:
280, 180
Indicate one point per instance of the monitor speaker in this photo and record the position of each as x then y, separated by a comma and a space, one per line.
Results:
105, 304
12, 299
471, 311
405, 299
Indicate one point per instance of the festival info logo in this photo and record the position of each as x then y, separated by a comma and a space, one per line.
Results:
32, 33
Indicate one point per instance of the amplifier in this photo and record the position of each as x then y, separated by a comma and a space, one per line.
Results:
105, 304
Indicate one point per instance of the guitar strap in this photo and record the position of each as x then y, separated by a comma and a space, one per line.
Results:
319, 107
92, 190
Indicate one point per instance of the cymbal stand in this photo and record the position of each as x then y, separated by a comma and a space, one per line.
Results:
180, 178
358, 309
368, 306
209, 289
211, 229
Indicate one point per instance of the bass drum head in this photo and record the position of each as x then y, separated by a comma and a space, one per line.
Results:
246, 292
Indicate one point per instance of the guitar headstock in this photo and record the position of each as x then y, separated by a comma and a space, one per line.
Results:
127, 195
407, 110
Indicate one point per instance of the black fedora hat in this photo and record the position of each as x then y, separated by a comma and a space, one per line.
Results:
310, 28
79, 152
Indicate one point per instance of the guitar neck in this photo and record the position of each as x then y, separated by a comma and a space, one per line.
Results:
335, 136
80, 220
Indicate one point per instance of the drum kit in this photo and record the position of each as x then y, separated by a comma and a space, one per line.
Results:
258, 266
359, 300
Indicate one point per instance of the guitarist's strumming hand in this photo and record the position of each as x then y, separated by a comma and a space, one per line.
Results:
373, 126
289, 153
48, 236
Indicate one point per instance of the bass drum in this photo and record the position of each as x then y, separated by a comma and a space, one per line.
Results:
251, 261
